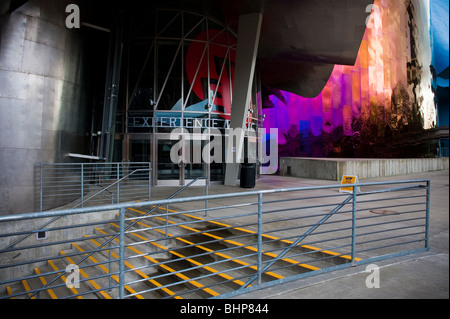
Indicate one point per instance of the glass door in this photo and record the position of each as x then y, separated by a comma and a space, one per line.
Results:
140, 150
174, 173
195, 167
168, 173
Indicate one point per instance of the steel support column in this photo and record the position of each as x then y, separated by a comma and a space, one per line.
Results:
247, 49
111, 93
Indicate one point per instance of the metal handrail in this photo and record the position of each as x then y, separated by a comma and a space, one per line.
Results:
261, 270
108, 191
60, 182
297, 242
58, 217
116, 235
111, 185
201, 198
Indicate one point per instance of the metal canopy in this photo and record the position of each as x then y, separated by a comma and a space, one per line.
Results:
8, 6
300, 42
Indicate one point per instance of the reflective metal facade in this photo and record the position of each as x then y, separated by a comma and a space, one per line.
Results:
42, 104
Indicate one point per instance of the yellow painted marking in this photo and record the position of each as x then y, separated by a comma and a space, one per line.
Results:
210, 269
263, 235
27, 288
235, 243
239, 282
169, 269
9, 291
105, 270
86, 276
44, 282
129, 265
240, 262
74, 291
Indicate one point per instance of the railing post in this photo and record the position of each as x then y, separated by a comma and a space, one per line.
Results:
149, 180
206, 194
82, 184
260, 230
122, 253
167, 225
354, 224
427, 226
109, 266
118, 183
207, 182
41, 190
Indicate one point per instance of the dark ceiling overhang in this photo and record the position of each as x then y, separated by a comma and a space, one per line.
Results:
301, 40
8, 6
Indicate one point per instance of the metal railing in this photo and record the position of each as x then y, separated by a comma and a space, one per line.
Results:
247, 241
84, 200
81, 184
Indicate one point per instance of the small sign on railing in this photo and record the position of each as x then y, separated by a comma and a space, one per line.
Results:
349, 179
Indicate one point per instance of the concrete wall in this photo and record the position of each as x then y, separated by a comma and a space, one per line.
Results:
48, 250
334, 169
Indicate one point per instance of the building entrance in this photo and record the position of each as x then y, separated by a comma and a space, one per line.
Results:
179, 75
165, 171
170, 172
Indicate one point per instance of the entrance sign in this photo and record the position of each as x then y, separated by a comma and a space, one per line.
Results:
349, 179
176, 122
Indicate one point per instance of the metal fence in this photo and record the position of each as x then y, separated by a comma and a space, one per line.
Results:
177, 248
84, 184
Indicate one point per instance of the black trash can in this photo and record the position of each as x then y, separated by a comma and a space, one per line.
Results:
248, 175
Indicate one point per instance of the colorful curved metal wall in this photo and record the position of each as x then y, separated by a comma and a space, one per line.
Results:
366, 108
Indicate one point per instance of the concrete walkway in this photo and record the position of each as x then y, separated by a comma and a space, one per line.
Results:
423, 275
